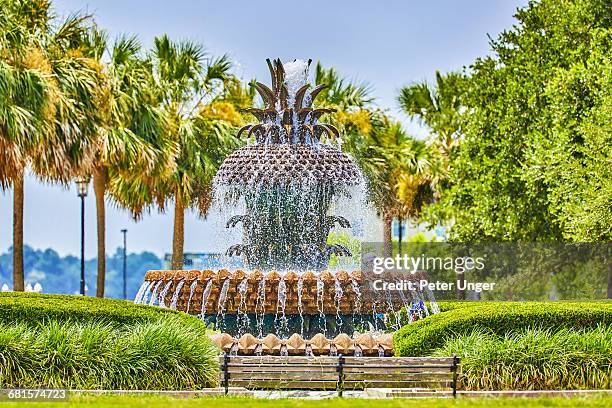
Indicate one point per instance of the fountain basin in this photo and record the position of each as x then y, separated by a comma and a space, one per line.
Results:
306, 298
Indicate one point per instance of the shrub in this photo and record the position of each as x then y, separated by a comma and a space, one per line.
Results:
162, 354
427, 334
33, 308
533, 359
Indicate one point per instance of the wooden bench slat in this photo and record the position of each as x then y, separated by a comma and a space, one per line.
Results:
320, 385
284, 377
433, 377
279, 360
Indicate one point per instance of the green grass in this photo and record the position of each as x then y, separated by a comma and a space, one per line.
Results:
164, 354
34, 307
533, 359
162, 402
423, 336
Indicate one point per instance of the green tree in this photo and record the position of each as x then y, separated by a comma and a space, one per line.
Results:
534, 162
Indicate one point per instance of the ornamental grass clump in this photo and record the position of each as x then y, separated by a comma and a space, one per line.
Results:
533, 358
423, 336
163, 354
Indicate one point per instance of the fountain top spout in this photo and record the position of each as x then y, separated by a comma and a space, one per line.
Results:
288, 116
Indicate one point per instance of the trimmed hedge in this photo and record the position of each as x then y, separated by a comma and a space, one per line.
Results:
423, 336
534, 359
35, 308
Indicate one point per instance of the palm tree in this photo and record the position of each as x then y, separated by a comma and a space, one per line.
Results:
55, 141
25, 109
399, 170
341, 93
437, 107
187, 81
131, 138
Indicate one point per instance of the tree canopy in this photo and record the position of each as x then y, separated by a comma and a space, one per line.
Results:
535, 162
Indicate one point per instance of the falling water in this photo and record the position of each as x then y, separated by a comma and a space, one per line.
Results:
234, 349
308, 351
243, 317
192, 288
357, 308
432, 301
164, 292
205, 296
320, 303
374, 314
146, 292
280, 319
154, 293
141, 291
260, 308
221, 303
338, 292
358, 351
391, 310
333, 351
177, 293
300, 287
406, 306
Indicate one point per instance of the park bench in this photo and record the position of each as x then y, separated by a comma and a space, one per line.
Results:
339, 372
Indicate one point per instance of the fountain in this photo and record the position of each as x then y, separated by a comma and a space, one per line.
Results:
285, 184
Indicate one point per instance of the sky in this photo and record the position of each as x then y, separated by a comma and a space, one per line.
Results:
386, 44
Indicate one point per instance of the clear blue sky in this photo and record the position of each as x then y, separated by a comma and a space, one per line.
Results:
386, 43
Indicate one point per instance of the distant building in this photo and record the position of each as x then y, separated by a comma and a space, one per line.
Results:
411, 228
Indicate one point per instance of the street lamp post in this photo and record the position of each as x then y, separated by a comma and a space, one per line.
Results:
81, 184
124, 231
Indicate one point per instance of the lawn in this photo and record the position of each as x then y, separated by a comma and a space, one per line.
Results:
231, 402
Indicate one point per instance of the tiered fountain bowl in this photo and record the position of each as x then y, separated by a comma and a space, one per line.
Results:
286, 181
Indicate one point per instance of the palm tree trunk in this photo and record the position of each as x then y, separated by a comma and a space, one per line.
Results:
610, 280
99, 185
399, 237
178, 238
387, 237
18, 276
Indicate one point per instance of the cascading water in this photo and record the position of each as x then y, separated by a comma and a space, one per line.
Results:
338, 292
300, 287
163, 293
259, 307
221, 304
192, 288
154, 293
320, 304
280, 320
205, 296
243, 317
141, 292
176, 294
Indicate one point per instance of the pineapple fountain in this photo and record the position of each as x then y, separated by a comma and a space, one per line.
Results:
285, 300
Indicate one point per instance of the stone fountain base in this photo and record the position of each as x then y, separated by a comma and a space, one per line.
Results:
208, 292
